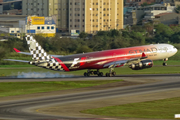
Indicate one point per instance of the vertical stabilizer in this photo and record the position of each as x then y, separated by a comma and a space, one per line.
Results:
37, 52
40, 57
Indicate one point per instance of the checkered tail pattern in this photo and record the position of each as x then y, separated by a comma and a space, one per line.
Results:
40, 57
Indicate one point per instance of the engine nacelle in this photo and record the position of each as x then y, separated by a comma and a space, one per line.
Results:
38, 63
142, 65
33, 62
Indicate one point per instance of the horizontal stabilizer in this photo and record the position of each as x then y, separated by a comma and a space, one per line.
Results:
26, 53
17, 60
16, 50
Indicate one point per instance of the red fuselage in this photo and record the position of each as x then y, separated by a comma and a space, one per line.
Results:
97, 60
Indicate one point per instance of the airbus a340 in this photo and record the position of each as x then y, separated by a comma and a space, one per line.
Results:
136, 58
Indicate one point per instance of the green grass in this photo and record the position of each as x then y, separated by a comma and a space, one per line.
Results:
15, 66
20, 88
159, 109
13, 71
170, 62
128, 71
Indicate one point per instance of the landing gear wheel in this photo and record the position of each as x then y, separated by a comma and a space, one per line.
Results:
164, 64
107, 74
91, 72
88, 74
95, 73
113, 73
85, 74
100, 74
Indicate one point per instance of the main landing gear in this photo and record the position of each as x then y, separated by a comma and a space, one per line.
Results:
164, 63
89, 72
100, 74
111, 73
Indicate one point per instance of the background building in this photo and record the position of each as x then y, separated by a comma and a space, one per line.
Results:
144, 14
167, 19
1, 8
138, 2
11, 20
94, 15
171, 2
11, 7
15, 22
79, 15
177, 2
63, 16
18, 24
35, 7
41, 25
58, 9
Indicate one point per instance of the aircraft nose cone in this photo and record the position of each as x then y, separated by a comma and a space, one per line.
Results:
175, 50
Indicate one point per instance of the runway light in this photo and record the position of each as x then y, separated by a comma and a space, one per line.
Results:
177, 116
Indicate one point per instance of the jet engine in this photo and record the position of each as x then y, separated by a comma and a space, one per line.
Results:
33, 62
142, 65
38, 63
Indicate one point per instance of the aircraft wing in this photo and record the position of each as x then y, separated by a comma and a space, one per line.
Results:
27, 53
115, 64
17, 60
122, 62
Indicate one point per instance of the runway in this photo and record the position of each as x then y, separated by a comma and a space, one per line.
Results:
20, 109
75, 78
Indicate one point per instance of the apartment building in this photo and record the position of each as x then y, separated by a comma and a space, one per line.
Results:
63, 16
138, 2
149, 13
171, 2
77, 15
94, 15
1, 7
35, 7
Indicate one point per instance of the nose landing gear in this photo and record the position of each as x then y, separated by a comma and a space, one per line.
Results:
164, 63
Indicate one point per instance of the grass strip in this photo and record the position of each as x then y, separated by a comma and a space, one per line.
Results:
119, 71
127, 71
159, 109
21, 88
16, 66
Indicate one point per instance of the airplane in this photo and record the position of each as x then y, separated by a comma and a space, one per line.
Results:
136, 58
